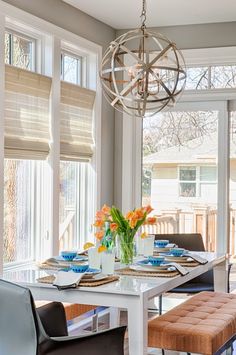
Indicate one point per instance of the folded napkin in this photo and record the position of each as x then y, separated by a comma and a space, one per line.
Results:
65, 280
179, 268
198, 258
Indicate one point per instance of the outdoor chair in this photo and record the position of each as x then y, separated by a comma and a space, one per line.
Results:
23, 330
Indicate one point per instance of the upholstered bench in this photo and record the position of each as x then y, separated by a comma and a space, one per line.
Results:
205, 324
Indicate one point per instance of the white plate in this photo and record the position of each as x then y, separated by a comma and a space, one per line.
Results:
151, 266
94, 278
77, 259
178, 258
153, 269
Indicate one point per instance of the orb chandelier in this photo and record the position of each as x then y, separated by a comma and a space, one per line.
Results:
142, 72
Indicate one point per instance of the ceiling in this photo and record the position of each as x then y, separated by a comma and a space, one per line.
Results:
123, 14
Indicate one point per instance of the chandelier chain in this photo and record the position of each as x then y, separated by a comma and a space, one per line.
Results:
144, 15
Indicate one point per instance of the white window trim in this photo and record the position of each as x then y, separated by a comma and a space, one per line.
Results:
58, 37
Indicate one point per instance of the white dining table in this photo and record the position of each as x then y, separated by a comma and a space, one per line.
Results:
129, 292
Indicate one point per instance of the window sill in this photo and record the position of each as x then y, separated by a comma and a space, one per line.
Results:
18, 265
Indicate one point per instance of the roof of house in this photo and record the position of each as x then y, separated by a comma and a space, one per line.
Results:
199, 150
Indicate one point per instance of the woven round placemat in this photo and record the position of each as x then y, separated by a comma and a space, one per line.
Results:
50, 279
130, 272
189, 263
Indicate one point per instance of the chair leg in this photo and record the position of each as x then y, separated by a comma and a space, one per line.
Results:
160, 305
230, 350
95, 322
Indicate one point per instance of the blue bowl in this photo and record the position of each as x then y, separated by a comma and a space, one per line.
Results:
68, 255
156, 260
177, 251
161, 243
79, 268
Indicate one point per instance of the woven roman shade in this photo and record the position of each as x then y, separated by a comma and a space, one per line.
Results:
27, 113
76, 128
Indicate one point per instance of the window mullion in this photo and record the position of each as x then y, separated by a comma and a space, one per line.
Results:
198, 182
2, 86
54, 157
223, 181
10, 49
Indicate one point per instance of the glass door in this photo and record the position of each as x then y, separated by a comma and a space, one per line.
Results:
180, 169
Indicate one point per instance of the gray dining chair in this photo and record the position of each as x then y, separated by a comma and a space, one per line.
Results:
192, 242
24, 331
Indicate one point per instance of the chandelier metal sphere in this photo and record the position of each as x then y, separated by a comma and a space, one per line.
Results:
142, 72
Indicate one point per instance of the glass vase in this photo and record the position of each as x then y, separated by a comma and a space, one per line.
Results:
127, 250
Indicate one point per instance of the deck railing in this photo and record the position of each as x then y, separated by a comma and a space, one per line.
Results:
66, 232
199, 220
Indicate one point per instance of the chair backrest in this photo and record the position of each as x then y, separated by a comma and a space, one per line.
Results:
18, 333
189, 241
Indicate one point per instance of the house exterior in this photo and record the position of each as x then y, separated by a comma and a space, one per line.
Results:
185, 177
183, 189
177, 173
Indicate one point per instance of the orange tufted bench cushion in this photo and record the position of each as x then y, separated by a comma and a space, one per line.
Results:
202, 324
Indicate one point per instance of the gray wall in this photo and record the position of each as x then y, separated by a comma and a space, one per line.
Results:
199, 36
73, 20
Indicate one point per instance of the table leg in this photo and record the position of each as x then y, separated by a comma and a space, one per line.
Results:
114, 317
221, 276
138, 326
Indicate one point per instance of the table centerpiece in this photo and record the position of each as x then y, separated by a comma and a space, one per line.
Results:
110, 222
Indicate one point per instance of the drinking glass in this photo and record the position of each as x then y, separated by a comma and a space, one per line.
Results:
148, 245
139, 245
108, 262
94, 258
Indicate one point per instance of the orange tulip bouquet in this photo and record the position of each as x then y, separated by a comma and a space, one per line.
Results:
110, 223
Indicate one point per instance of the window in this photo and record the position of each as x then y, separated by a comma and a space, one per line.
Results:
179, 168
25, 208
208, 173
196, 181
187, 177
76, 173
223, 77
20, 51
76, 204
17, 211
71, 68
197, 78
31, 162
211, 77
